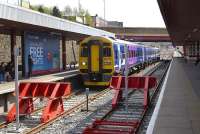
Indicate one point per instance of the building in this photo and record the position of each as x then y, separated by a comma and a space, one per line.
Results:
114, 24
100, 22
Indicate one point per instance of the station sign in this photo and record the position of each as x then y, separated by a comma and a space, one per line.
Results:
44, 49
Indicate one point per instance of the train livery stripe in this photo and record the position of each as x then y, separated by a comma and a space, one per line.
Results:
95, 58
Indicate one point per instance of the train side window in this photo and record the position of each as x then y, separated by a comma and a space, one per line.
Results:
129, 53
132, 53
123, 55
84, 52
135, 53
116, 55
107, 52
140, 52
122, 51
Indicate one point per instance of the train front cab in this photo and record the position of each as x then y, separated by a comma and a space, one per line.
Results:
96, 61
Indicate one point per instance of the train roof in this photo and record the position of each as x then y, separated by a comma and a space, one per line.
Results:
126, 42
114, 40
105, 39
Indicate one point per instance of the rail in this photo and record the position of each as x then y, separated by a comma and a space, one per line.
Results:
106, 125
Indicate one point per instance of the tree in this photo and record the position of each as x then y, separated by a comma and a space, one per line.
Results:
81, 11
41, 9
83, 14
56, 12
75, 12
47, 10
35, 8
67, 11
88, 18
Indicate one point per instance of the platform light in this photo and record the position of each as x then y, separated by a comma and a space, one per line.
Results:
189, 36
1, 25
195, 30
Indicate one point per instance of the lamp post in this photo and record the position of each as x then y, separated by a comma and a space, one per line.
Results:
79, 5
16, 54
104, 14
20, 3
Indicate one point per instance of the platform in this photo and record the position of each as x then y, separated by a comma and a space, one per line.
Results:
8, 87
178, 108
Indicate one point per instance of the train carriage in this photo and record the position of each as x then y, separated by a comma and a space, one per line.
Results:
101, 57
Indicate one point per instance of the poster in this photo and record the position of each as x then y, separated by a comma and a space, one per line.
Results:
44, 51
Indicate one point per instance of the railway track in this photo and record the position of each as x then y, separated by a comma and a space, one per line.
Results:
135, 111
70, 122
74, 106
146, 119
31, 123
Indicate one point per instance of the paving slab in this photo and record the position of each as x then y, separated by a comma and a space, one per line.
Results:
173, 130
179, 112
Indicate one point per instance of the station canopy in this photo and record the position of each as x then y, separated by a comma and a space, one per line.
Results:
182, 19
21, 19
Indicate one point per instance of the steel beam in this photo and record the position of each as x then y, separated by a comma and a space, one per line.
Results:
13, 44
64, 52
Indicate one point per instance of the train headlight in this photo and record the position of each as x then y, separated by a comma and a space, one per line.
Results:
83, 63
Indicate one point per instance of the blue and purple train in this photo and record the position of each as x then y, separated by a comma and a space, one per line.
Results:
102, 57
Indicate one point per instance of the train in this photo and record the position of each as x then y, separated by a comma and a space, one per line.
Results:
102, 57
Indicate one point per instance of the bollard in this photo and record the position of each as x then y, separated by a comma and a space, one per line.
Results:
87, 97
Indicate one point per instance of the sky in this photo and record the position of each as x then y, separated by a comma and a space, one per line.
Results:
133, 13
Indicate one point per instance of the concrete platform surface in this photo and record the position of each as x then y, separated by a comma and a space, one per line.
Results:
179, 111
8, 87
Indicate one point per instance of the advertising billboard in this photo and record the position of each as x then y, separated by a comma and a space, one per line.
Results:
44, 51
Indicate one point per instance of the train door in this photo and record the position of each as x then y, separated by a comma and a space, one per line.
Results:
119, 53
143, 54
122, 55
116, 57
140, 54
95, 58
